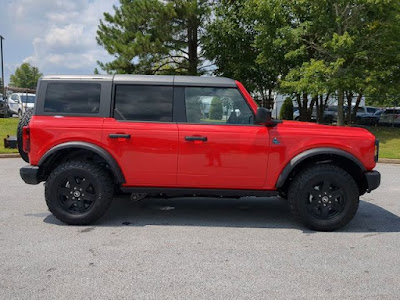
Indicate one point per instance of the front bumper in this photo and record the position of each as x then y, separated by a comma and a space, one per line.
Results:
30, 174
373, 180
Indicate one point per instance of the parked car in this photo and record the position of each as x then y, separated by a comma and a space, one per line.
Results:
390, 116
330, 114
20, 102
365, 115
150, 136
4, 112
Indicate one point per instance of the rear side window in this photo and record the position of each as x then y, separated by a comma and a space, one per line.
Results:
81, 98
143, 103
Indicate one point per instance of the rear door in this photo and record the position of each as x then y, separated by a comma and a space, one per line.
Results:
219, 145
141, 134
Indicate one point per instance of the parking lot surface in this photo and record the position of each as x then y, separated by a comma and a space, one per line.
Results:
196, 248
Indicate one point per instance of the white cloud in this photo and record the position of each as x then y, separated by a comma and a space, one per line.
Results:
62, 32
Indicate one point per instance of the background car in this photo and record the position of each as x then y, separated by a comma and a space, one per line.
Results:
366, 115
390, 117
20, 102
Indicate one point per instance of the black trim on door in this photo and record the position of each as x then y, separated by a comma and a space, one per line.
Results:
179, 111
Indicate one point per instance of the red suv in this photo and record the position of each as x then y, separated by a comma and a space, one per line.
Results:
92, 136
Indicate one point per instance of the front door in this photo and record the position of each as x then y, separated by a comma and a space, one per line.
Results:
219, 145
142, 136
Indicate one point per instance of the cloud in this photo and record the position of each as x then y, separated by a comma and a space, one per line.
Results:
62, 33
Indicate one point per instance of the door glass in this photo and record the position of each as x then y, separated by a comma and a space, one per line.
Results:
216, 106
143, 103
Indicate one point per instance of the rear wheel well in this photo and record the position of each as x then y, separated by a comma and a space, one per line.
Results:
65, 155
342, 162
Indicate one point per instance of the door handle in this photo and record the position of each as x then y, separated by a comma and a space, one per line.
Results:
119, 136
196, 138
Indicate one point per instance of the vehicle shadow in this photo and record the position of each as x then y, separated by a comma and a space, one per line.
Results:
249, 212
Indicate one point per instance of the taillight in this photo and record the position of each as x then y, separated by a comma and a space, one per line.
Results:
26, 139
376, 150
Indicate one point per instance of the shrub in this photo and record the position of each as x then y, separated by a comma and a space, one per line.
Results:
287, 110
216, 109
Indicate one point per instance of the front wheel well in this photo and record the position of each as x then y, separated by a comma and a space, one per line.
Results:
342, 162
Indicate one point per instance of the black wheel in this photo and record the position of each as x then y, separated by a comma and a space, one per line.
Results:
24, 121
323, 197
79, 192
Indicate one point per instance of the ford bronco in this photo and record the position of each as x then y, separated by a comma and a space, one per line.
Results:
90, 137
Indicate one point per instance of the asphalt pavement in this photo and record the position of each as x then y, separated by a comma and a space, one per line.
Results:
196, 248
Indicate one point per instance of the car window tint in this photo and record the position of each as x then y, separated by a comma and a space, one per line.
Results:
371, 110
143, 103
216, 106
72, 98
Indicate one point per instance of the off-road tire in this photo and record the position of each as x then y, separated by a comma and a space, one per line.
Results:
101, 185
301, 200
24, 121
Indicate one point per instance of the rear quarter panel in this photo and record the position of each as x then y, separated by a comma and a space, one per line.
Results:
49, 131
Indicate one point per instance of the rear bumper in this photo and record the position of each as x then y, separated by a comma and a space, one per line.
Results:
30, 174
373, 180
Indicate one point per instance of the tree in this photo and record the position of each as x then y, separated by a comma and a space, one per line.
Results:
331, 46
286, 112
25, 76
230, 44
216, 109
154, 37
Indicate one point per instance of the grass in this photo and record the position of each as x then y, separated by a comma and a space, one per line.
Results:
389, 137
389, 141
8, 126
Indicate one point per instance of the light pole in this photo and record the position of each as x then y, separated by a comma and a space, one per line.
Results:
2, 67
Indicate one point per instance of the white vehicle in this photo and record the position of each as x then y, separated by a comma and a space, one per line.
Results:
20, 102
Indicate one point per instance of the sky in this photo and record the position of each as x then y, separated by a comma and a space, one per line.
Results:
57, 36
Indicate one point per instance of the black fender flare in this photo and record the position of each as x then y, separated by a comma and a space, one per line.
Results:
314, 152
91, 147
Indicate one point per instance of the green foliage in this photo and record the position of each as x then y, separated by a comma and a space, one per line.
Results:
286, 112
230, 44
154, 37
216, 109
25, 76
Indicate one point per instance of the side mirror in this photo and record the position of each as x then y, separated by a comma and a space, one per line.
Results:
263, 116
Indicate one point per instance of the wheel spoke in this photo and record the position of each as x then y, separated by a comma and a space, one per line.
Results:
336, 206
336, 194
85, 184
81, 206
63, 191
89, 197
326, 186
68, 203
324, 211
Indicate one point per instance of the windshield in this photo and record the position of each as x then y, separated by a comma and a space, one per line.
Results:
28, 99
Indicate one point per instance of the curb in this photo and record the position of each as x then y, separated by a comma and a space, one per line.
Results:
388, 161
9, 155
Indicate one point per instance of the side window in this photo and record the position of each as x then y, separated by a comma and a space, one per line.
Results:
77, 98
216, 106
371, 110
14, 97
143, 103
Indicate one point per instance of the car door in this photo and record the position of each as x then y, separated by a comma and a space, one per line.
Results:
219, 145
141, 134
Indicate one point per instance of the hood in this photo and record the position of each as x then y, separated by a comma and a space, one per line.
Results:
326, 130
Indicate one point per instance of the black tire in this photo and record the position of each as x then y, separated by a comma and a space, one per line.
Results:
79, 192
24, 121
323, 197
